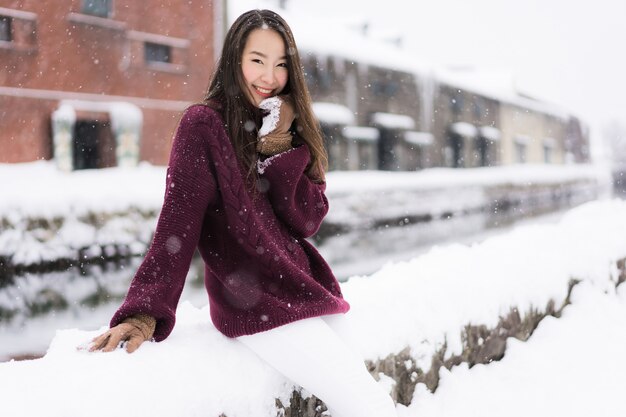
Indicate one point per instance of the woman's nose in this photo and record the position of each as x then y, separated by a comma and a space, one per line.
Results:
268, 76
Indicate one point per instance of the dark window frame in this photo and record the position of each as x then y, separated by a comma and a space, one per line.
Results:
521, 151
6, 28
157, 53
385, 88
318, 74
477, 108
457, 103
99, 8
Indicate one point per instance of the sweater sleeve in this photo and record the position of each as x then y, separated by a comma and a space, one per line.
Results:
190, 188
298, 201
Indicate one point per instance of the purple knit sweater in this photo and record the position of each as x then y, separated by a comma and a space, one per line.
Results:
260, 272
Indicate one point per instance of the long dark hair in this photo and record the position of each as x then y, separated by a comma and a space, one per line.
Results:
226, 94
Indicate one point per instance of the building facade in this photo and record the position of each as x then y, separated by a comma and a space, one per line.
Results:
466, 127
371, 116
97, 83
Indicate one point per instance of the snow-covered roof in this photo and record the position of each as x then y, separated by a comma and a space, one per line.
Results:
123, 114
419, 138
499, 85
522, 139
361, 133
332, 113
393, 121
64, 112
334, 37
463, 129
549, 142
490, 132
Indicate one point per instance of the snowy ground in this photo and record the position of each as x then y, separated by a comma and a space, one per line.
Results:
571, 366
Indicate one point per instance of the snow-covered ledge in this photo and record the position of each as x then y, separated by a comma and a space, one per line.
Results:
333, 114
419, 309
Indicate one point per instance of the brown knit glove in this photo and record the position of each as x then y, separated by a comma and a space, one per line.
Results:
274, 135
134, 330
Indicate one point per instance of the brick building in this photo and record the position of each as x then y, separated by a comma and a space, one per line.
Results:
96, 83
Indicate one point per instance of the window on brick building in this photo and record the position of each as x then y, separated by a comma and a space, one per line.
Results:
100, 8
155, 52
5, 28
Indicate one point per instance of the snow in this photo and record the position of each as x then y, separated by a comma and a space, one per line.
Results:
332, 113
50, 215
222, 382
568, 367
341, 182
522, 139
571, 366
335, 39
125, 116
45, 212
368, 134
270, 121
464, 129
38, 189
490, 132
65, 113
550, 142
419, 138
498, 84
393, 121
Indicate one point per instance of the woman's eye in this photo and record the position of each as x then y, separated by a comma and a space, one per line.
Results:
283, 64
258, 61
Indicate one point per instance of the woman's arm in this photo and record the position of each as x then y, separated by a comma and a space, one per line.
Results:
298, 201
190, 187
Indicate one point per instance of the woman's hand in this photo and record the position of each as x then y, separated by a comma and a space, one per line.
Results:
134, 331
274, 135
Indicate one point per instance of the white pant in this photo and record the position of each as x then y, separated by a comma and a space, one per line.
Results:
315, 353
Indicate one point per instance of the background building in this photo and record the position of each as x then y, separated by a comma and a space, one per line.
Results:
96, 83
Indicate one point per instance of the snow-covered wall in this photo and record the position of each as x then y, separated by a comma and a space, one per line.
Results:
49, 217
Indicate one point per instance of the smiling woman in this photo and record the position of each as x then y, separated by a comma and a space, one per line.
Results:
264, 65
260, 54
245, 185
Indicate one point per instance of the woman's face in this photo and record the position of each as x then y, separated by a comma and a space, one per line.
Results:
264, 65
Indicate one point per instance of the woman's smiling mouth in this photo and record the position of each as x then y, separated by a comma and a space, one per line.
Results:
264, 92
